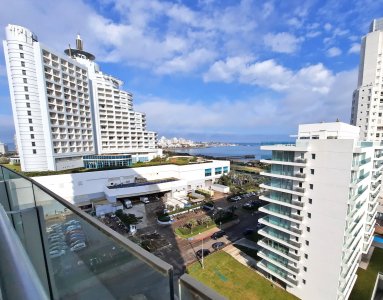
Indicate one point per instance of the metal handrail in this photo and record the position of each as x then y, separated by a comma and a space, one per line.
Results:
18, 277
155, 262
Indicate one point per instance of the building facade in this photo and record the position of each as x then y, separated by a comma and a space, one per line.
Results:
367, 103
319, 218
64, 107
3, 148
50, 102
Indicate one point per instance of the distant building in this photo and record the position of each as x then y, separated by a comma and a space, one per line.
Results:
367, 103
65, 108
322, 194
3, 148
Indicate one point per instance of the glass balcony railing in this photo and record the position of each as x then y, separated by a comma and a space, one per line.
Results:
74, 255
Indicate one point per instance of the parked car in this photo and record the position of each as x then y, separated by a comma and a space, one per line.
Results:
127, 204
218, 234
208, 206
202, 252
234, 199
218, 245
144, 200
78, 247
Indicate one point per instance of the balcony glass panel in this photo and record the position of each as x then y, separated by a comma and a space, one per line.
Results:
284, 197
278, 234
278, 221
283, 210
287, 156
282, 170
281, 183
76, 256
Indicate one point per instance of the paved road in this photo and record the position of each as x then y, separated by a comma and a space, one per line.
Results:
181, 252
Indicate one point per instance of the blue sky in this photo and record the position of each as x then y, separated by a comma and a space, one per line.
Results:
212, 70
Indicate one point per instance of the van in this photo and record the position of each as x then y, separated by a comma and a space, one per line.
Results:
144, 199
128, 204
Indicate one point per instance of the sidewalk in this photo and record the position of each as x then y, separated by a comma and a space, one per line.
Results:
203, 235
240, 256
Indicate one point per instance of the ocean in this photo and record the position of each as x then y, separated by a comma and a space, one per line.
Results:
240, 150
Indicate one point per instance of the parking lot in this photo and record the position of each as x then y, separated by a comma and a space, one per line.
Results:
181, 252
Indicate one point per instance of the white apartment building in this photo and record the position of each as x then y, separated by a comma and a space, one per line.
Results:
3, 148
64, 107
320, 216
50, 102
367, 103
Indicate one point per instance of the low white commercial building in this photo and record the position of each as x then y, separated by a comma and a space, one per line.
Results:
175, 180
321, 211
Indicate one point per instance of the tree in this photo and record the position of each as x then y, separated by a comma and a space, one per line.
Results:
191, 224
206, 220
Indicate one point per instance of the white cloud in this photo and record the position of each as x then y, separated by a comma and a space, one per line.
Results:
355, 48
186, 63
327, 26
334, 51
312, 34
267, 9
295, 22
282, 42
269, 74
260, 113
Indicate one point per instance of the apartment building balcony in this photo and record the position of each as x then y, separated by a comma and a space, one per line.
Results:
34, 266
280, 237
280, 224
359, 193
281, 212
298, 162
376, 176
291, 176
278, 273
295, 190
279, 261
286, 201
360, 179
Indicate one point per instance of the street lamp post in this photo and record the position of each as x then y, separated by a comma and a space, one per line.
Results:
203, 266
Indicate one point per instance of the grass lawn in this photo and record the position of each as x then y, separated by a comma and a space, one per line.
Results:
235, 281
16, 168
366, 278
248, 169
185, 232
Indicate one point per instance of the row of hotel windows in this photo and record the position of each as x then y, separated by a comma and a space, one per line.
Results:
217, 171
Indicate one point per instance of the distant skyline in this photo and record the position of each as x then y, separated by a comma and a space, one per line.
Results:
231, 71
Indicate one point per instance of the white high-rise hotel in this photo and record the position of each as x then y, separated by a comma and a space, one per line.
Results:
64, 107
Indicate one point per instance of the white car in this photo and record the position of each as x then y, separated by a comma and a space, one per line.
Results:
78, 247
56, 253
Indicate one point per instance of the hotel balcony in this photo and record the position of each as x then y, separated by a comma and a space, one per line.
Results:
37, 260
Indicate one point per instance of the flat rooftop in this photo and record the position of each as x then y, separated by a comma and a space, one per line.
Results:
125, 185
